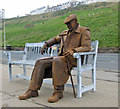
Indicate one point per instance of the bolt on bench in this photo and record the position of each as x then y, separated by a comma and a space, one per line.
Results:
32, 52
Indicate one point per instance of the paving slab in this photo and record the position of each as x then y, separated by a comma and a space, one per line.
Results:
14, 102
106, 94
15, 84
5, 96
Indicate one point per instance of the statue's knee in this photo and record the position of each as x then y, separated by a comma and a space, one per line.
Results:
39, 62
55, 58
58, 59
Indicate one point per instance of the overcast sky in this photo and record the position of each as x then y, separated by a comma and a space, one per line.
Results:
22, 7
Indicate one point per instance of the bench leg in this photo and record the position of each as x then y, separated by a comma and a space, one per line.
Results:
10, 73
94, 79
79, 86
79, 78
24, 70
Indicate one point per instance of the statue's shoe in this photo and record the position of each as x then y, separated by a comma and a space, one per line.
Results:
29, 94
55, 97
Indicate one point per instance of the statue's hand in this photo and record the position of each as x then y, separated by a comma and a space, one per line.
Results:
68, 53
44, 48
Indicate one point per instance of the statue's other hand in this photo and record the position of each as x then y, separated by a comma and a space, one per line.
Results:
44, 48
68, 53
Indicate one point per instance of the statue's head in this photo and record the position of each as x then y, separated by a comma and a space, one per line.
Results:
71, 21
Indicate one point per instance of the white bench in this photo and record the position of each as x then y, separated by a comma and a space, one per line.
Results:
32, 52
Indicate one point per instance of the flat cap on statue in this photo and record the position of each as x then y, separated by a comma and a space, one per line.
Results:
69, 18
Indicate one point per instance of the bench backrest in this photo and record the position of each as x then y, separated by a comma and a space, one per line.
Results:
94, 46
33, 51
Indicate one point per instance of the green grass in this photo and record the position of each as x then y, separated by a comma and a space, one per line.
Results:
103, 25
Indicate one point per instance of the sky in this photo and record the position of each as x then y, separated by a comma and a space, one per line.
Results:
14, 8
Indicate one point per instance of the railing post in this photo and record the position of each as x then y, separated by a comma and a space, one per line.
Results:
10, 73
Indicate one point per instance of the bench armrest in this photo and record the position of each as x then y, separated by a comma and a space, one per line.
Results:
15, 51
77, 55
8, 53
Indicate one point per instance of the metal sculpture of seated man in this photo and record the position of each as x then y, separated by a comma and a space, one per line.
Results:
75, 39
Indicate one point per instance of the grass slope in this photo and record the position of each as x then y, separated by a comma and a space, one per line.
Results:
103, 25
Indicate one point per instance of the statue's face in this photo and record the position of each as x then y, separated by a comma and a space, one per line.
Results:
71, 25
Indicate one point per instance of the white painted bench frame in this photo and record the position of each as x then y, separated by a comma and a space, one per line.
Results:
31, 49
80, 68
85, 67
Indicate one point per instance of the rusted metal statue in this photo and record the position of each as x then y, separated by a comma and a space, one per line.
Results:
75, 39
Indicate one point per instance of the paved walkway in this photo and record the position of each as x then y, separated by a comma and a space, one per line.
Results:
105, 96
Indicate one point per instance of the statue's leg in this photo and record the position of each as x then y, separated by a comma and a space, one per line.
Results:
60, 76
41, 68
59, 70
40, 71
